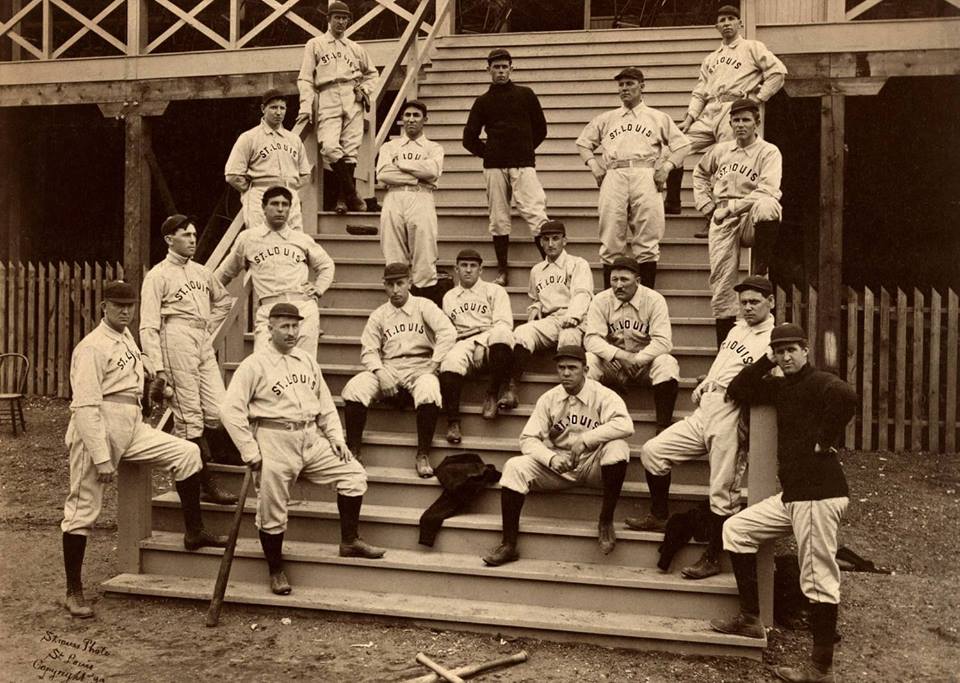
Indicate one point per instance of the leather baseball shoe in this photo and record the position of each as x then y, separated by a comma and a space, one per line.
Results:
424, 469
279, 583
203, 538
705, 567
503, 278
607, 537
804, 674
490, 407
508, 396
743, 624
453, 432
360, 548
77, 606
503, 554
649, 522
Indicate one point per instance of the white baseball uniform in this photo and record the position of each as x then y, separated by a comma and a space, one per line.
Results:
481, 316
278, 408
106, 379
631, 142
406, 341
561, 288
181, 306
331, 68
746, 180
712, 428
640, 326
408, 220
596, 414
281, 262
268, 158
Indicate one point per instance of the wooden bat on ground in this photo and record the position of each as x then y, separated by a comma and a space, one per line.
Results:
472, 670
444, 673
216, 603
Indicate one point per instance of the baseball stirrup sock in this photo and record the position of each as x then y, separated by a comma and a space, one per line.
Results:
745, 571
607, 270
659, 486
74, 546
664, 400
501, 247
189, 492
521, 357
536, 241
723, 325
511, 503
501, 357
451, 385
355, 419
612, 477
272, 545
349, 508
648, 274
426, 425
674, 183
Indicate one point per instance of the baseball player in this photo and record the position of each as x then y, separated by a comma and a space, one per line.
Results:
286, 266
813, 408
182, 304
736, 185
711, 430
481, 313
631, 140
410, 167
265, 156
628, 338
561, 287
576, 436
279, 412
402, 345
106, 426
336, 80
739, 68
515, 126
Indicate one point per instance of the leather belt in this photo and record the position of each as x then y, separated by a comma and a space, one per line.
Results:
284, 425
285, 297
410, 355
273, 182
630, 163
189, 322
125, 399
410, 188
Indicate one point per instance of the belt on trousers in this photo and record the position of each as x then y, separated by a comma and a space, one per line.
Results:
285, 297
272, 182
410, 188
189, 322
630, 163
125, 399
284, 425
410, 355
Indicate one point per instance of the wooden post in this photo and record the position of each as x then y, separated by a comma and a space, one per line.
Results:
762, 483
586, 15
137, 37
136, 200
831, 230
134, 493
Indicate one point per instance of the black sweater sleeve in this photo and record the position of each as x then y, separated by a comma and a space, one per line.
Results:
750, 386
538, 122
839, 402
471, 131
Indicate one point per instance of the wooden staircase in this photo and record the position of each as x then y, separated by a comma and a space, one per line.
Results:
562, 588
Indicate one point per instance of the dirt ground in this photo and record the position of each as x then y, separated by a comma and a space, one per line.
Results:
904, 626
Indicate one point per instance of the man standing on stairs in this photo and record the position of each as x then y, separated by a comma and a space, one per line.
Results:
410, 167
336, 80
402, 346
576, 436
631, 139
711, 430
628, 338
481, 313
515, 126
285, 265
106, 426
182, 304
265, 156
561, 287
739, 68
280, 414
736, 186
813, 408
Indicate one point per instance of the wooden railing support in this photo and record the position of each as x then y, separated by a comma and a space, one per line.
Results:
762, 483
134, 522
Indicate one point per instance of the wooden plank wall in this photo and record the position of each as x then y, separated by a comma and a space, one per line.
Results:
791, 12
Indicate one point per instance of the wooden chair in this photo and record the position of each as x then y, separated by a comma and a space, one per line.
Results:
20, 365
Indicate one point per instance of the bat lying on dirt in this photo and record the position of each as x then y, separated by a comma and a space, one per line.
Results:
213, 613
472, 670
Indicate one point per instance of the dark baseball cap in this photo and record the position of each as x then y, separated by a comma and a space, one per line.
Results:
728, 11
756, 283
469, 255
120, 292
744, 104
395, 271
630, 72
175, 222
570, 351
416, 104
271, 95
553, 228
285, 310
498, 53
786, 333
625, 263
337, 7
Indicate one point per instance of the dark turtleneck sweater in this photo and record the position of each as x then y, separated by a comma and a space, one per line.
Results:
514, 123
813, 407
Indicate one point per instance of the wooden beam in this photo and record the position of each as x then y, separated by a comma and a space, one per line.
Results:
136, 200
831, 230
817, 87
873, 64
119, 110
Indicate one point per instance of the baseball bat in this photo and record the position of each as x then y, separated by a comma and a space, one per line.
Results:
445, 674
472, 670
226, 562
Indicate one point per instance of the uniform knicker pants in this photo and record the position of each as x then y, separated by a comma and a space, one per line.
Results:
814, 523
525, 188
631, 213
287, 455
252, 203
413, 374
471, 355
194, 375
662, 368
309, 327
724, 248
130, 439
711, 127
710, 431
522, 473
408, 234
339, 122
546, 333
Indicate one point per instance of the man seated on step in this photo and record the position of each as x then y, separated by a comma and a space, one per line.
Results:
402, 346
738, 68
280, 414
481, 313
711, 430
736, 186
106, 427
285, 265
561, 287
631, 140
265, 156
409, 167
628, 339
576, 436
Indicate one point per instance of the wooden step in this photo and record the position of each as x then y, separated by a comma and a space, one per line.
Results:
463, 162
557, 196
634, 631
688, 59
547, 81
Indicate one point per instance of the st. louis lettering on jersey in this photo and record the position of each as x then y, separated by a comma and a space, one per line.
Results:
573, 422
328, 57
264, 152
635, 128
191, 286
552, 279
617, 328
749, 174
739, 349
292, 379
293, 254
469, 307
726, 61
127, 357
404, 328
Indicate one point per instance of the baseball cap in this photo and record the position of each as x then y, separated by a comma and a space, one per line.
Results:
787, 332
625, 263
395, 271
744, 104
338, 8
498, 53
469, 255
274, 191
630, 72
175, 222
553, 228
271, 95
728, 10
756, 283
416, 104
119, 292
570, 351
285, 310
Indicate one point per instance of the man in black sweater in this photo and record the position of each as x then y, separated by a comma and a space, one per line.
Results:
813, 408
515, 127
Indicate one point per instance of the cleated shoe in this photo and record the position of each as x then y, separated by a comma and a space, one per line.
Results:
279, 583
747, 625
360, 548
202, 539
705, 567
650, 522
490, 407
77, 606
503, 554
453, 432
607, 537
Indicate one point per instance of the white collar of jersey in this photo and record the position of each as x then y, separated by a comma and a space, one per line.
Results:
331, 39
478, 286
586, 391
748, 148
762, 327
634, 300
404, 140
113, 334
283, 232
177, 259
274, 355
561, 260
625, 110
733, 43
407, 306
267, 130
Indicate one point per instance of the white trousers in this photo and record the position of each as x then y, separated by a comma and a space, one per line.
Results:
631, 213
413, 374
195, 377
339, 123
408, 234
524, 187
523, 473
662, 368
546, 333
470, 355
